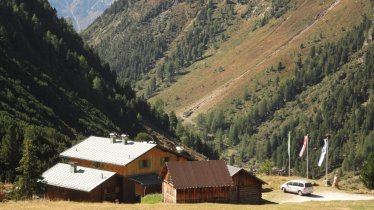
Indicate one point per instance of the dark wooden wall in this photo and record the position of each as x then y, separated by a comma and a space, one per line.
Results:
107, 191
246, 189
204, 194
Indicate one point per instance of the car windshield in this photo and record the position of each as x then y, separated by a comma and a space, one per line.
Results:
308, 184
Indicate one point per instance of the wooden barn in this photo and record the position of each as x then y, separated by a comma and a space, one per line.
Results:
136, 164
196, 181
71, 182
247, 187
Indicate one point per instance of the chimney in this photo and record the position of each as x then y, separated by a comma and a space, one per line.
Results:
73, 167
179, 149
113, 137
125, 138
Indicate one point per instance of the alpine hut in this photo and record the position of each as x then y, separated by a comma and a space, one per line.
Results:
196, 181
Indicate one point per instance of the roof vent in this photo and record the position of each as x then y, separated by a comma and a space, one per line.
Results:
73, 167
179, 149
125, 138
113, 137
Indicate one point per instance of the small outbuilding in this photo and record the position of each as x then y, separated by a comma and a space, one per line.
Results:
247, 187
196, 181
76, 183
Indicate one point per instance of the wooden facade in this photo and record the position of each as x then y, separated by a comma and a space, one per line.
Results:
155, 155
195, 195
247, 188
107, 191
196, 182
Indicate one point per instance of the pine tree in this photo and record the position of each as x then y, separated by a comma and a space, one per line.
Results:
9, 152
27, 182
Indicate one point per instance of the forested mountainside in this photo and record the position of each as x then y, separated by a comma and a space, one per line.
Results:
245, 73
155, 40
80, 13
55, 90
330, 95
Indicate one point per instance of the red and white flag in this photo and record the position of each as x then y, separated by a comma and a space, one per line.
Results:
304, 146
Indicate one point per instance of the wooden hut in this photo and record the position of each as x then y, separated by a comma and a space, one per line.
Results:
137, 163
247, 187
71, 182
196, 181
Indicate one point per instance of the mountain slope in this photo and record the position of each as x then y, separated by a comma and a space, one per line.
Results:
81, 13
233, 69
55, 90
245, 59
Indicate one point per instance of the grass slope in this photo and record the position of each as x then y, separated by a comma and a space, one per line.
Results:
245, 57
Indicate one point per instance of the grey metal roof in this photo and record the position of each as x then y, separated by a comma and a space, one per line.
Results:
146, 179
233, 170
101, 149
85, 179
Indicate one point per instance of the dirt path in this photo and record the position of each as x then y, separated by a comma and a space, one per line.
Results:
322, 196
191, 111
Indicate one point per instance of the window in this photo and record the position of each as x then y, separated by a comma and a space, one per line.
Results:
163, 160
308, 184
144, 163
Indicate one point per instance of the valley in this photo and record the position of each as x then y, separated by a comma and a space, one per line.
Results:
241, 87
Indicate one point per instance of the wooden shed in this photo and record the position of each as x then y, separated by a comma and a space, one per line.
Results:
196, 181
247, 187
71, 182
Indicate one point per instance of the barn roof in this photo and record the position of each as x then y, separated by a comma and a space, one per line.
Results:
234, 170
103, 150
84, 179
197, 174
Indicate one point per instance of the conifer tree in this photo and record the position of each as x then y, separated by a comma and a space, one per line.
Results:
29, 170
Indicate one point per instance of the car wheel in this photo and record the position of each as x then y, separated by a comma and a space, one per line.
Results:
300, 193
284, 189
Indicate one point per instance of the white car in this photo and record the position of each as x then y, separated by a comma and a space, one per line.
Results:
297, 186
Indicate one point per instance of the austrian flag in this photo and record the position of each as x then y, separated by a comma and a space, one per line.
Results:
304, 146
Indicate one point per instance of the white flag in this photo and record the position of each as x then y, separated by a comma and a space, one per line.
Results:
304, 146
323, 153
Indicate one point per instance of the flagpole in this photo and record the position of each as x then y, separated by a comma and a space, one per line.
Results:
327, 154
307, 157
289, 153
